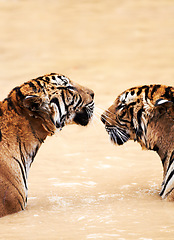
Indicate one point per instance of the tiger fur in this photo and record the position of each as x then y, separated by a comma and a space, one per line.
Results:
146, 114
29, 114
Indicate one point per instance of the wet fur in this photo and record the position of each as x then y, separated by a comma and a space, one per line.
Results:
146, 114
29, 114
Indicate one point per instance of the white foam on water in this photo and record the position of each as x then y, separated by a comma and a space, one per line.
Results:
75, 184
101, 235
66, 184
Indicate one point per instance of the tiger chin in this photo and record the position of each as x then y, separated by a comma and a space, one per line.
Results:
146, 114
29, 114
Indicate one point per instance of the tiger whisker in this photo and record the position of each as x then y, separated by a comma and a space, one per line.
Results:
102, 115
121, 135
104, 118
117, 133
114, 135
95, 120
105, 110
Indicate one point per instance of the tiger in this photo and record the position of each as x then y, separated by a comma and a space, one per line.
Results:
31, 112
146, 114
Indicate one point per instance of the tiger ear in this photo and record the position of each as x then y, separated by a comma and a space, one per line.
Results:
163, 103
32, 102
38, 107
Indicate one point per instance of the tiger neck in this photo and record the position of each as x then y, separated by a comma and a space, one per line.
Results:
21, 136
160, 139
20, 141
166, 157
164, 147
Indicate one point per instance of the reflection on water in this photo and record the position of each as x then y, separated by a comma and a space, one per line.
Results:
81, 186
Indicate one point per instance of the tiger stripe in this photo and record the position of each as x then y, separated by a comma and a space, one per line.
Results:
146, 115
29, 114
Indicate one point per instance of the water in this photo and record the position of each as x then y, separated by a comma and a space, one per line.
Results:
80, 185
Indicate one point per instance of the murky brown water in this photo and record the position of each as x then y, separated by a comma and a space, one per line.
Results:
80, 185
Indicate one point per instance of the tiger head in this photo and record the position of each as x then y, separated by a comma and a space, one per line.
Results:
133, 110
54, 101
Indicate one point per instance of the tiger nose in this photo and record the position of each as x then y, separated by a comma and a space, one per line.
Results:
91, 93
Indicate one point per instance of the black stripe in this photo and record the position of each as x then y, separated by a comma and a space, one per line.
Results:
22, 171
39, 78
70, 92
139, 91
55, 100
132, 115
168, 93
146, 92
131, 104
0, 136
19, 94
132, 92
125, 121
141, 88
20, 204
1, 112
63, 99
38, 83
62, 118
139, 115
154, 89
35, 152
34, 88
80, 105
71, 88
171, 160
47, 79
164, 159
21, 153
168, 179
126, 94
78, 102
156, 149
171, 174
145, 86
120, 106
66, 88
122, 115
11, 105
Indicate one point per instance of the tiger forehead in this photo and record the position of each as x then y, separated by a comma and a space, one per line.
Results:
42, 84
152, 92
56, 79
